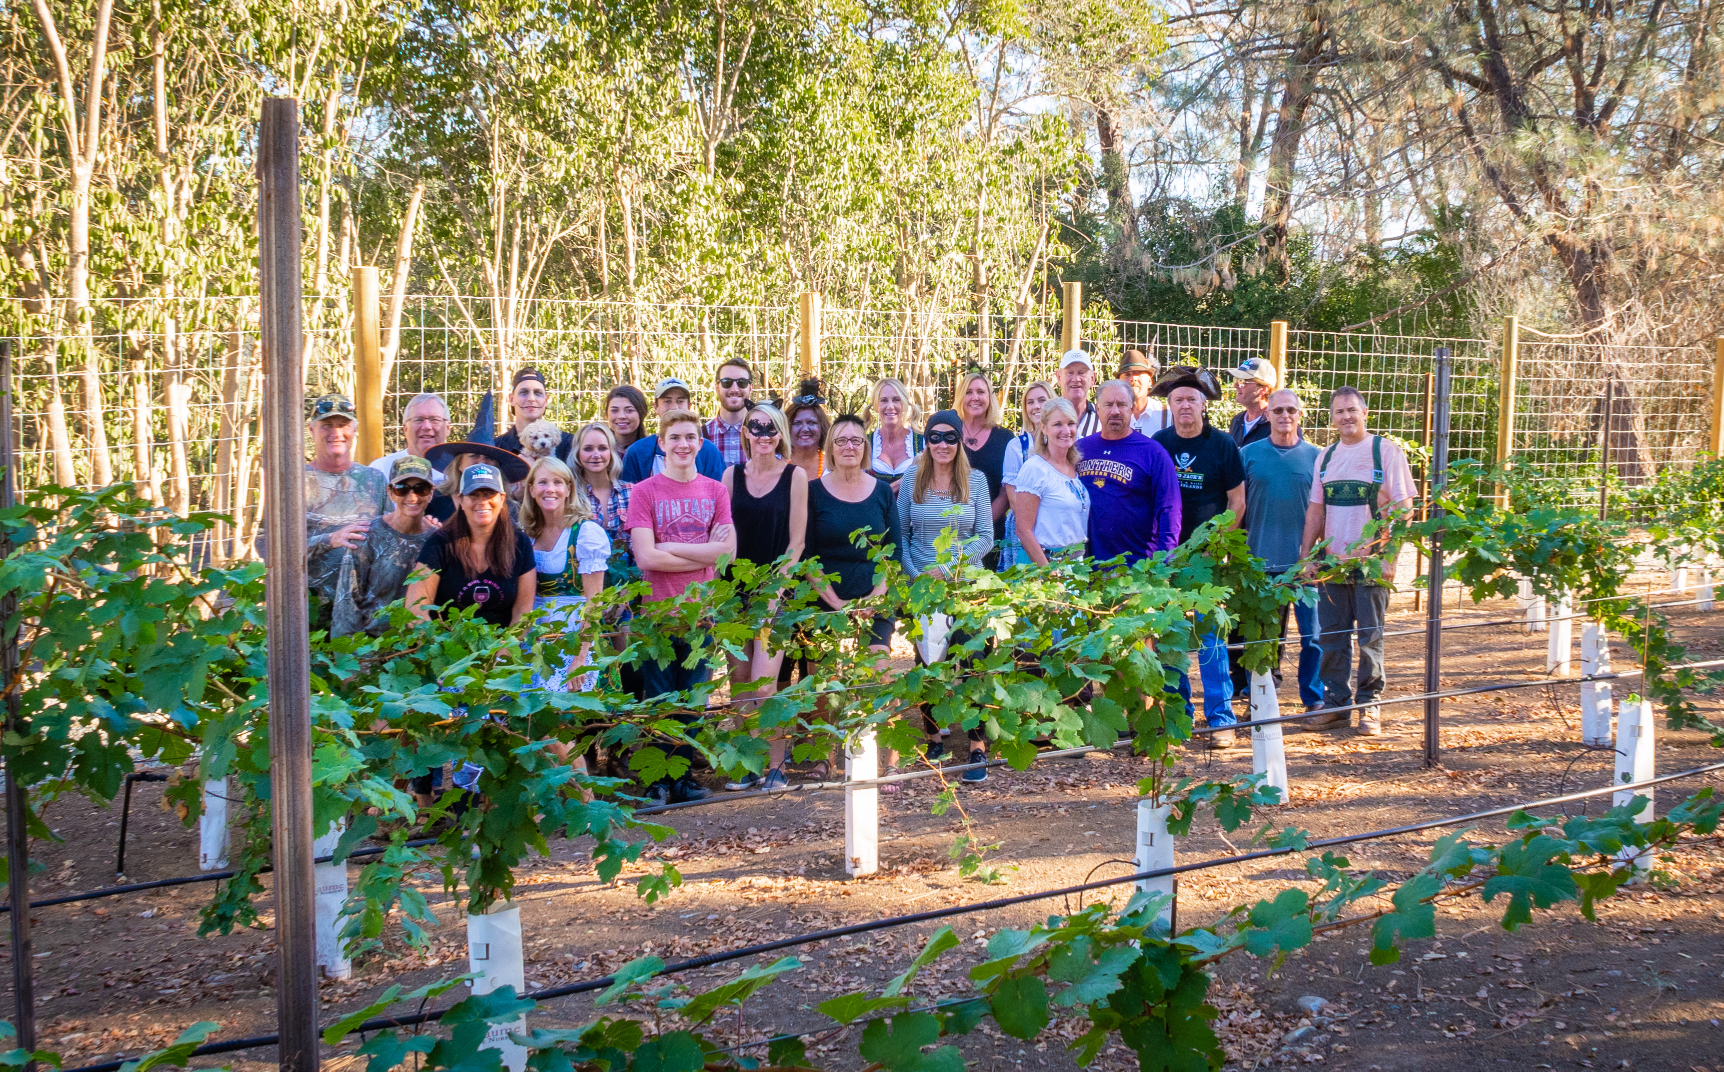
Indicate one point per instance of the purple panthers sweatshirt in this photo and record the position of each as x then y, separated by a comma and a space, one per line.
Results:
1134, 496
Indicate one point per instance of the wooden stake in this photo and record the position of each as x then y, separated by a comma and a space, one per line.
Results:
1715, 441
367, 367
1071, 329
808, 309
288, 618
1278, 349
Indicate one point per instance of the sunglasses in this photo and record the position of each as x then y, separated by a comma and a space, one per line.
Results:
953, 438
1284, 409
734, 381
415, 488
763, 431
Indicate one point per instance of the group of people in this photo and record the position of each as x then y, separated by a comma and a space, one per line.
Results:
541, 518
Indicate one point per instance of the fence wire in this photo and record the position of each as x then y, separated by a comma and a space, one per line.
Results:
178, 381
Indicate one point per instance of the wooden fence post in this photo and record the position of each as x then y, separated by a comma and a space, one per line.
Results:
809, 310
280, 245
1278, 350
367, 367
1071, 328
1505, 399
1715, 442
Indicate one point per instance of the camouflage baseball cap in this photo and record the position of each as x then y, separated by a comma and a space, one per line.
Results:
407, 467
331, 406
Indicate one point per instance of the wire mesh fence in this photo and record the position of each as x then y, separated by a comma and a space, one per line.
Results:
178, 382
1395, 374
1657, 399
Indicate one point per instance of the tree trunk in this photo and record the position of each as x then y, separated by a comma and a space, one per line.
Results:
143, 447
1115, 177
1297, 91
398, 283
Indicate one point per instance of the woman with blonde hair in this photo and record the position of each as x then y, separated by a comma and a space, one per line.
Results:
769, 507
895, 441
570, 549
985, 444
1036, 396
1051, 506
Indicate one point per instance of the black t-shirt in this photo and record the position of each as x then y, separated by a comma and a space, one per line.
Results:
511, 442
493, 593
1209, 467
831, 520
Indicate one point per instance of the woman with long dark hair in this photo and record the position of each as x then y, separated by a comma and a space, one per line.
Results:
942, 493
625, 411
479, 559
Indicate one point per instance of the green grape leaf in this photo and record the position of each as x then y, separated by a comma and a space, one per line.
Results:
1412, 917
1283, 924
897, 1043
1020, 1006
1525, 873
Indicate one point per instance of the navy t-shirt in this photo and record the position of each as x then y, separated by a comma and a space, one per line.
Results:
493, 592
1209, 467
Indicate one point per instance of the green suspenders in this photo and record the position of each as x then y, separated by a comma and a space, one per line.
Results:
1354, 492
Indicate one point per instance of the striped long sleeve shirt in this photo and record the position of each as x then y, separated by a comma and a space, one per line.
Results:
921, 523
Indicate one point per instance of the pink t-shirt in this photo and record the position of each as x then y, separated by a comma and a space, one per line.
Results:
1351, 466
678, 513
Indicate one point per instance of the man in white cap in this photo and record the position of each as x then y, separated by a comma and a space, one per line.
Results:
1253, 380
1077, 376
646, 457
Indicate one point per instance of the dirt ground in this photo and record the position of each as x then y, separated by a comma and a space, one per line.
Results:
1643, 988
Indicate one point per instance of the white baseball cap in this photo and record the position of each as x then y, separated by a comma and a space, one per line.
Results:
1076, 357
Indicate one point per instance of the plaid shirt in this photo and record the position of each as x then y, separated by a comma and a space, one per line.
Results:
614, 519
726, 437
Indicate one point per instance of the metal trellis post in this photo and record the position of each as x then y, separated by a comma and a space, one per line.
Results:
1604, 450
1434, 612
17, 807
288, 616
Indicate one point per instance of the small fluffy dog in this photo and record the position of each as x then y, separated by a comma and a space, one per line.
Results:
539, 440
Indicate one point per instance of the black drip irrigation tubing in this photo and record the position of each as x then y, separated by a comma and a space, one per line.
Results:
956, 768
694, 964
186, 880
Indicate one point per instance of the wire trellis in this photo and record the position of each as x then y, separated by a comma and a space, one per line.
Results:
179, 380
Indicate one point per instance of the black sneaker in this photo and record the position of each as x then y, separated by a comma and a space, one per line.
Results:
658, 794
977, 774
685, 789
936, 751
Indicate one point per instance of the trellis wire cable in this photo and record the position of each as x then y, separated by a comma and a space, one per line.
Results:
711, 959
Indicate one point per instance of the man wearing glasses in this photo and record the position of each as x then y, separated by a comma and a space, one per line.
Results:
374, 573
1278, 474
735, 380
424, 424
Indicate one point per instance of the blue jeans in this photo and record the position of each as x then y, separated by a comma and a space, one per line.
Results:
1310, 657
1217, 679
673, 677
1310, 652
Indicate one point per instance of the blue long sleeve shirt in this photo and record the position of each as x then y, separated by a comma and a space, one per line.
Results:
1134, 496
645, 459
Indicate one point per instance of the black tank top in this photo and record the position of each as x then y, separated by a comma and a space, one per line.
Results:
763, 524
